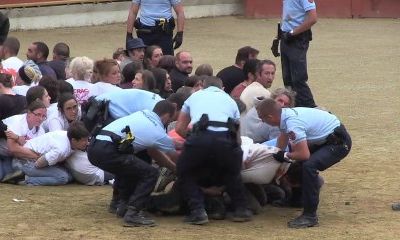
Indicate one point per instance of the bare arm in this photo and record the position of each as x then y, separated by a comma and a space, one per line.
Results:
310, 20
133, 10
300, 151
182, 124
180, 15
19, 151
162, 159
282, 141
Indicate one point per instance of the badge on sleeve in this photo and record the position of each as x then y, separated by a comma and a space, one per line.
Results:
291, 135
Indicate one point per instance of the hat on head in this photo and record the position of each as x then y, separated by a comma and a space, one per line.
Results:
134, 43
30, 72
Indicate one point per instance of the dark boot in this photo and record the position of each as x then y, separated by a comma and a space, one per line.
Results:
197, 217
122, 208
242, 215
137, 218
303, 221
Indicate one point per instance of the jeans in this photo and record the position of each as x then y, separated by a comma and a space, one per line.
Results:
5, 166
46, 176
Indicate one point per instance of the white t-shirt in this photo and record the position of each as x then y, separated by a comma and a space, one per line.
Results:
19, 125
54, 146
83, 171
255, 89
21, 90
51, 110
83, 90
12, 64
102, 87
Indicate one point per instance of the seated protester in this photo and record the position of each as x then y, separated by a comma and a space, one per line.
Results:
60, 60
41, 158
204, 69
124, 102
249, 70
144, 80
129, 72
119, 55
21, 128
167, 62
81, 69
152, 56
109, 76
195, 82
28, 75
10, 103
148, 128
38, 93
163, 82
253, 127
68, 112
51, 86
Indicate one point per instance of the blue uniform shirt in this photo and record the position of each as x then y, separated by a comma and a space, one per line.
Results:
151, 10
309, 124
147, 128
213, 101
127, 101
294, 13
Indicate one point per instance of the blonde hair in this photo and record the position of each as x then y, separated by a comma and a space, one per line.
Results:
81, 68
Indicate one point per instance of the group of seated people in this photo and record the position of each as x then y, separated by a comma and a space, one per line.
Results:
42, 103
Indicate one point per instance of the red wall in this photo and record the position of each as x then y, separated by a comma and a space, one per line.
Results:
329, 8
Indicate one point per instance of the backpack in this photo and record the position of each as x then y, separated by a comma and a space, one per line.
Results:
95, 115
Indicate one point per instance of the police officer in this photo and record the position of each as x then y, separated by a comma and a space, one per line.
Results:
112, 150
211, 147
297, 19
317, 139
155, 23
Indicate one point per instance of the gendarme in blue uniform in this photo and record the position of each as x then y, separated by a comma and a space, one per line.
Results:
151, 10
294, 13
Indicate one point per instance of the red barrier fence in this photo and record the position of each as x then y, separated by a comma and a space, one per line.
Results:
329, 8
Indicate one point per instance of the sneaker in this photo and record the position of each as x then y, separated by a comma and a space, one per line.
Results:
137, 218
396, 206
242, 215
197, 217
303, 221
215, 208
166, 176
13, 177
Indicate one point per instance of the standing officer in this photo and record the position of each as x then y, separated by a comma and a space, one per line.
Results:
212, 147
317, 139
117, 149
155, 24
297, 19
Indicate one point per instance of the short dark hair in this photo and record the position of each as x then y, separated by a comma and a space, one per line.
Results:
34, 93
167, 62
163, 107
65, 87
62, 50
77, 130
6, 80
244, 52
130, 70
42, 48
212, 81
12, 44
51, 86
63, 98
178, 99
250, 66
264, 62
204, 69
36, 105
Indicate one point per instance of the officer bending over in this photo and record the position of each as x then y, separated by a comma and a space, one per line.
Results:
318, 140
116, 149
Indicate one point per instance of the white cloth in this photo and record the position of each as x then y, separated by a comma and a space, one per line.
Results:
56, 122
103, 87
83, 90
255, 89
19, 125
83, 171
51, 111
12, 64
21, 90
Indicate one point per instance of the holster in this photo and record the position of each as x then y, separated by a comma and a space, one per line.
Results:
122, 145
337, 137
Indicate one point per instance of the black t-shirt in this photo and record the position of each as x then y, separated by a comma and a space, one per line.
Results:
11, 105
178, 78
231, 77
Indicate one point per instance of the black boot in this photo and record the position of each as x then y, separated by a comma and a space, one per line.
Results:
122, 208
242, 215
137, 218
303, 221
197, 217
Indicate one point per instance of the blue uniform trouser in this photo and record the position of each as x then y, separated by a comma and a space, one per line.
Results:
216, 153
294, 69
321, 158
134, 178
161, 39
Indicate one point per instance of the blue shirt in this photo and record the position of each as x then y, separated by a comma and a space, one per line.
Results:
309, 124
151, 10
213, 101
146, 127
294, 13
127, 101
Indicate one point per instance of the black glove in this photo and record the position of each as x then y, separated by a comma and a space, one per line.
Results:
280, 157
178, 39
128, 36
275, 47
287, 37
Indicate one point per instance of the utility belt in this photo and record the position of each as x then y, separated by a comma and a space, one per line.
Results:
337, 137
123, 145
201, 126
162, 25
306, 35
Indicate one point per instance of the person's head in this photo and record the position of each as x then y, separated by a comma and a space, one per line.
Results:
135, 49
195, 82
28, 73
37, 52
68, 107
250, 69
108, 71
37, 113
163, 82
284, 97
184, 62
266, 73
144, 80
81, 68
119, 54
244, 54
6, 81
61, 51
38, 93
78, 135
10, 48
166, 111
212, 81
152, 56
65, 87
204, 69
178, 99
167, 62
269, 111
130, 70
51, 86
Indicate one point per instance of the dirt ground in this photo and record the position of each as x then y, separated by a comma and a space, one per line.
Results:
354, 71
